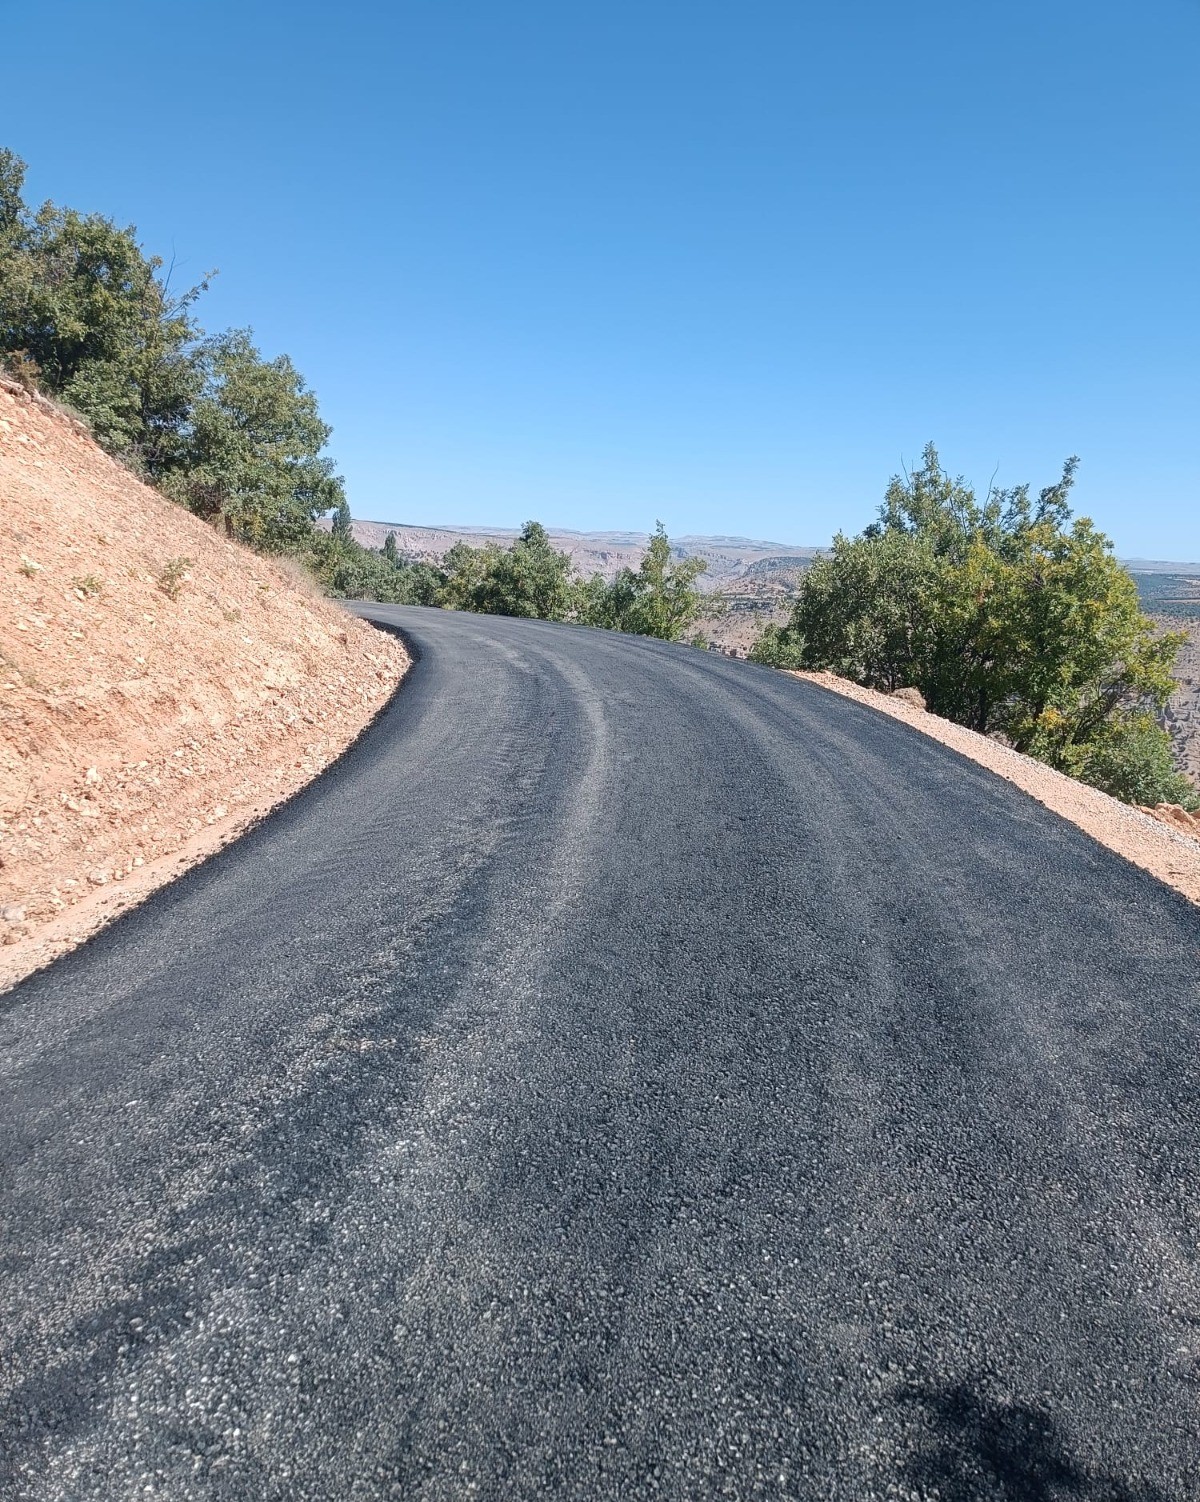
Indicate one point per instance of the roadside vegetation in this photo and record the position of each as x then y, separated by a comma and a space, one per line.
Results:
532, 578
1010, 617
89, 319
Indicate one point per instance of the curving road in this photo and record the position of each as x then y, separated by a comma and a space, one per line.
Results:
629, 1074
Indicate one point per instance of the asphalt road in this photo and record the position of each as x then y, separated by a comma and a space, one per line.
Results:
630, 1073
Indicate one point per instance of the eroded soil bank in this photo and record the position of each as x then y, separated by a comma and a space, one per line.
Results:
161, 687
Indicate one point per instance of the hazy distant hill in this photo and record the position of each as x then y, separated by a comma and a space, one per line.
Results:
1160, 566
728, 558
725, 547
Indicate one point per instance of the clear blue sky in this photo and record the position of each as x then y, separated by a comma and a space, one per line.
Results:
724, 264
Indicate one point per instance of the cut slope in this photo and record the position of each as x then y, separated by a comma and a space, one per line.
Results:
160, 685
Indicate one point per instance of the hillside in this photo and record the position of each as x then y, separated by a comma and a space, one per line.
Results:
160, 686
604, 553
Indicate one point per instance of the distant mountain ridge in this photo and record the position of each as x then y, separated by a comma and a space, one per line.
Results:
604, 553
730, 559
1160, 566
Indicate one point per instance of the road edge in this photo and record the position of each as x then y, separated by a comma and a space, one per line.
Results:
1170, 856
96, 912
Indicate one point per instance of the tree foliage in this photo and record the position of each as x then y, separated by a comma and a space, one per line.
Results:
249, 452
87, 316
343, 523
1008, 615
659, 598
351, 572
532, 578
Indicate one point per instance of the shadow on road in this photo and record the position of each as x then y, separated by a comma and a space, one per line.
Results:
974, 1448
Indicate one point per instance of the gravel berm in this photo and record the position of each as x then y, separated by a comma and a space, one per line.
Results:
630, 1073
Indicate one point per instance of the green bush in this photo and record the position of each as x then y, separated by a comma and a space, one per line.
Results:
775, 647
1133, 759
659, 598
86, 316
349, 571
1007, 615
531, 579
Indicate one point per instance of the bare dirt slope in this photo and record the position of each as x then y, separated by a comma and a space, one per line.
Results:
160, 686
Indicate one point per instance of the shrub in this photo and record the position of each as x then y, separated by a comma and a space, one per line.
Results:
1132, 759
174, 577
532, 578
659, 598
776, 647
1006, 615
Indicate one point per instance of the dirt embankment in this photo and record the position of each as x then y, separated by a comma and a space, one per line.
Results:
161, 687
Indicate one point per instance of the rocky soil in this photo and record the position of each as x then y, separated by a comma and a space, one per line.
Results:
160, 686
1182, 716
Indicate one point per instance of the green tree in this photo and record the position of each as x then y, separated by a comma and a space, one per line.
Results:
343, 526
659, 598
532, 578
389, 548
251, 452
599, 602
1006, 614
1131, 758
350, 571
12, 203
669, 601
465, 569
775, 647
865, 611
86, 315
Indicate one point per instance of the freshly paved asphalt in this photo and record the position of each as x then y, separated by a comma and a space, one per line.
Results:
630, 1073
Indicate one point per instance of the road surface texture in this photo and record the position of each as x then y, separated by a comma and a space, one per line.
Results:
629, 1074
